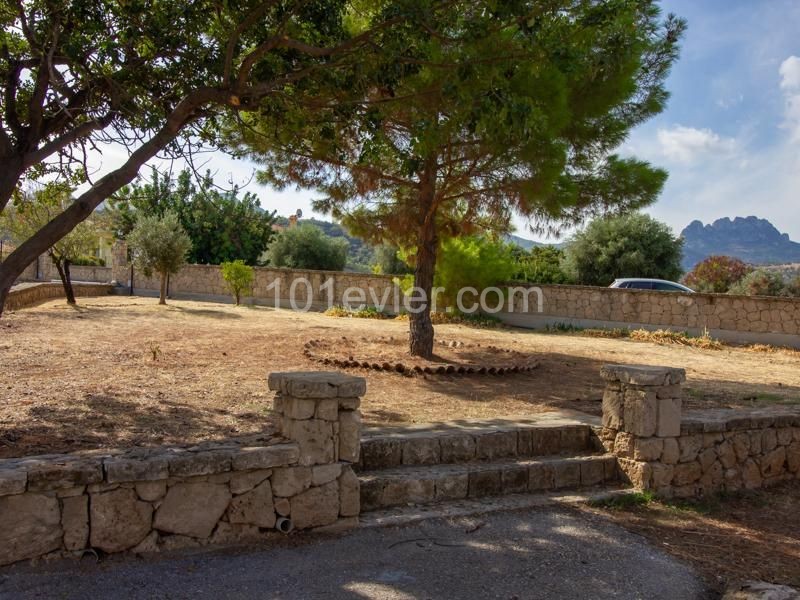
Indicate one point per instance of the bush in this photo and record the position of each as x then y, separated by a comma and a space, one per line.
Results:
760, 282
87, 260
238, 277
307, 247
793, 287
543, 264
634, 245
716, 274
388, 262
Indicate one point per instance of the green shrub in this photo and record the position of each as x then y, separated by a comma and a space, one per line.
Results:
307, 247
368, 312
87, 260
716, 274
760, 282
634, 245
543, 264
238, 278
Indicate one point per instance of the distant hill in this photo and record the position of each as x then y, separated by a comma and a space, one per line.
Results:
522, 242
750, 239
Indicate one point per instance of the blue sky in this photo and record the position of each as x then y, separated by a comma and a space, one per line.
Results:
730, 136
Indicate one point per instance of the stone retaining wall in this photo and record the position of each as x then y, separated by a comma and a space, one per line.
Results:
697, 453
29, 294
727, 317
147, 500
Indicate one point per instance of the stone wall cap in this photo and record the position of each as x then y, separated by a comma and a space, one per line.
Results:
317, 384
645, 375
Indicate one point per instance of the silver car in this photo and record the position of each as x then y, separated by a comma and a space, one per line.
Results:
659, 285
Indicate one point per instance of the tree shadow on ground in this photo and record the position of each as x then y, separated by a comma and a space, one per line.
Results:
104, 421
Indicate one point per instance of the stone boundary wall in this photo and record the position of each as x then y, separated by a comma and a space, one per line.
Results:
23, 295
724, 316
699, 453
146, 500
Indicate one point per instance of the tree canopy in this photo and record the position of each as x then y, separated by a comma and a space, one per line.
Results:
155, 76
306, 247
223, 225
491, 109
634, 245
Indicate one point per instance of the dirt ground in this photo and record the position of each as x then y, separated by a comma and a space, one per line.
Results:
124, 371
748, 535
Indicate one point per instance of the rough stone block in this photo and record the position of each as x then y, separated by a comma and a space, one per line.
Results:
726, 454
300, 408
317, 506
317, 384
575, 439
690, 446
323, 474
638, 474
349, 493
53, 474
381, 453
669, 417
769, 440
265, 457
671, 452
686, 473
192, 509
421, 451
30, 525
327, 410
648, 449
793, 457
546, 441
485, 483
12, 481
457, 448
540, 477
624, 444
407, 491
772, 463
453, 487
592, 472
189, 464
642, 375
751, 475
150, 491
349, 403
245, 481
662, 475
515, 480
500, 444
613, 409
371, 494
75, 521
784, 436
254, 507
129, 469
566, 474
707, 458
290, 481
640, 413
119, 520
349, 436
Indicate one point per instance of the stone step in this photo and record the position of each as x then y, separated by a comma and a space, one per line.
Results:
398, 516
426, 484
548, 434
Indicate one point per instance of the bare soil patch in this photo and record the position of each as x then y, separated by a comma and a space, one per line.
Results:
121, 371
730, 538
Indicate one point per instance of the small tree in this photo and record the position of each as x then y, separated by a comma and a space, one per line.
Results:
716, 274
306, 247
159, 245
634, 245
31, 211
386, 261
760, 282
238, 277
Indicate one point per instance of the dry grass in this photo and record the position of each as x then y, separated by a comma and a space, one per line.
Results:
124, 371
752, 535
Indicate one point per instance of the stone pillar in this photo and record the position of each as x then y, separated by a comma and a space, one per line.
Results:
319, 411
120, 268
642, 422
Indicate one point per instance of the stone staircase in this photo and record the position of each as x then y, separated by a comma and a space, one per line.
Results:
477, 462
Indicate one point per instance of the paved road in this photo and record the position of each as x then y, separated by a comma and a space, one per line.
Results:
540, 553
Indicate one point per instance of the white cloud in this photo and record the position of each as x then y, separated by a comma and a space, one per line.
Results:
790, 73
790, 83
685, 144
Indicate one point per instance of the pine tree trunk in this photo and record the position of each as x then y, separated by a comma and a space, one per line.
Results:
162, 296
420, 324
62, 266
